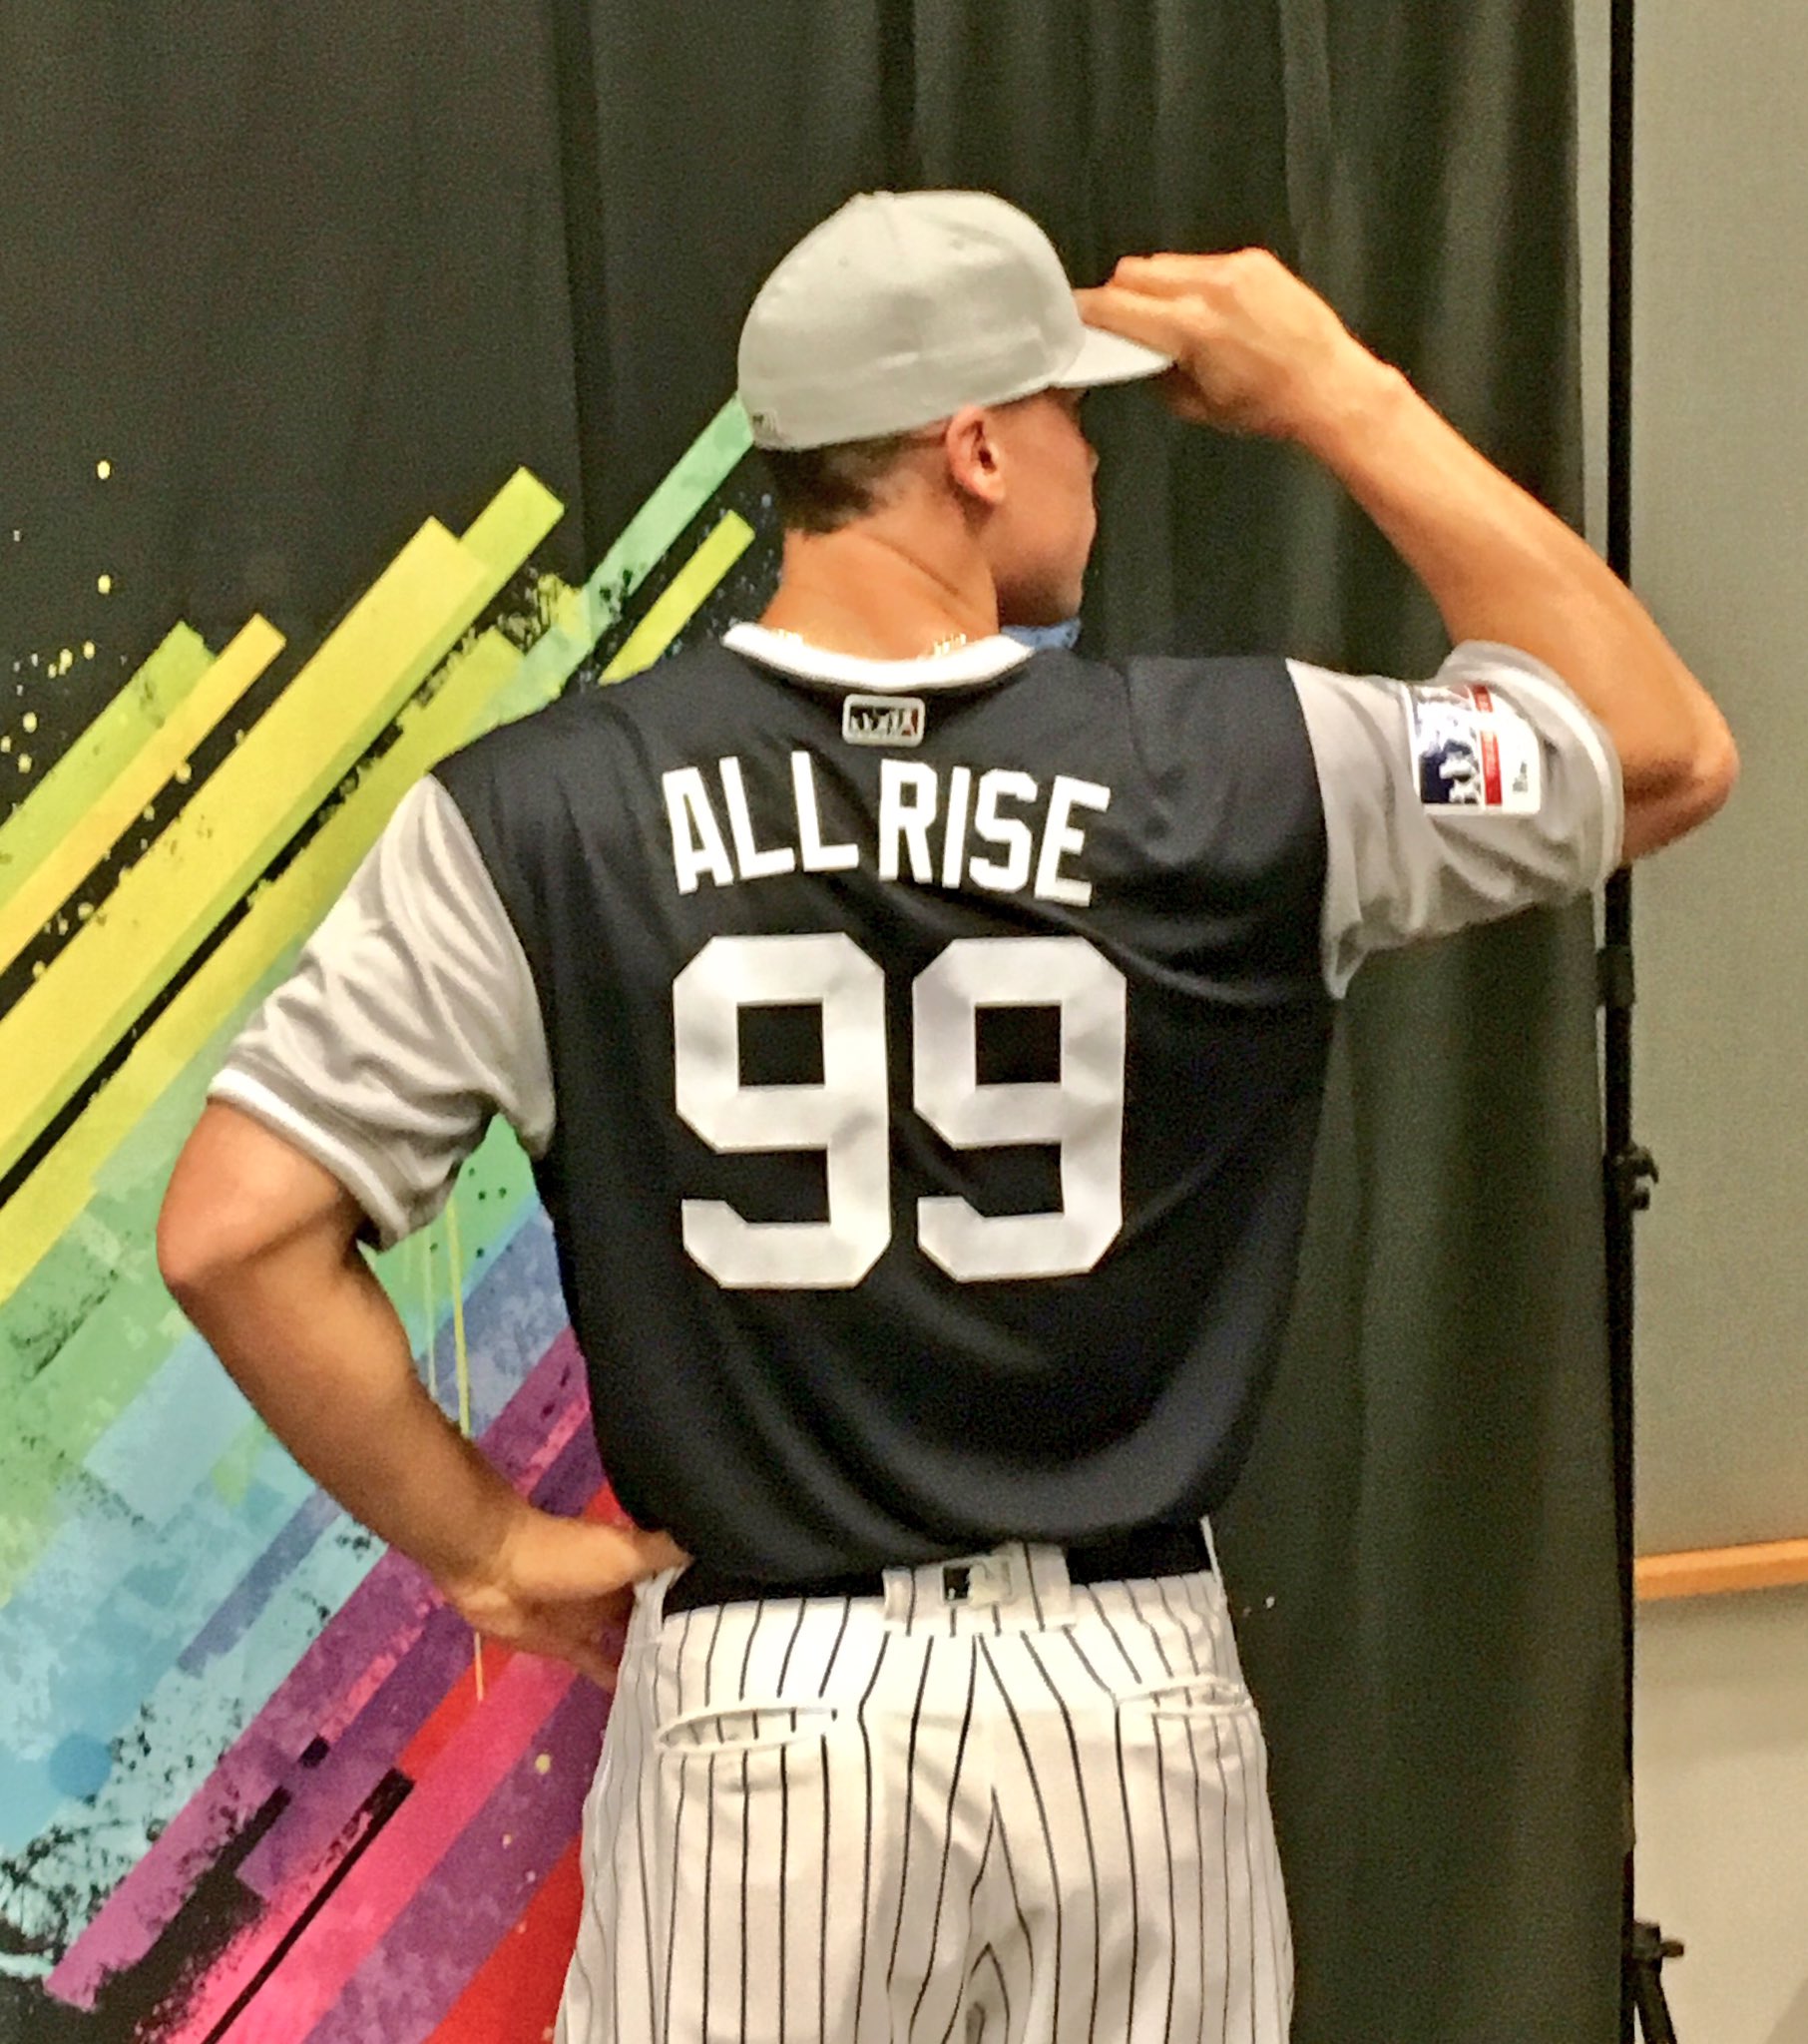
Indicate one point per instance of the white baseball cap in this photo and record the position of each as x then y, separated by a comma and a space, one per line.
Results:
905, 306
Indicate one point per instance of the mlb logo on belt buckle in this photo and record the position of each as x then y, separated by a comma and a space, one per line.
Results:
986, 1579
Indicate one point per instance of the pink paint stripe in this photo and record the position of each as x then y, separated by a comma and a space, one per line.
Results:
237, 1963
376, 1625
334, 1780
385, 1879
306, 1840
358, 1692
475, 1894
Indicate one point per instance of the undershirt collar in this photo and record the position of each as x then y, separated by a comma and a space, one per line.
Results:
985, 659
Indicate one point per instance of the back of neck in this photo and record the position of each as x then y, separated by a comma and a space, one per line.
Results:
862, 593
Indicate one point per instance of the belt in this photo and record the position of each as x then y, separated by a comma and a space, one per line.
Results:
1150, 1551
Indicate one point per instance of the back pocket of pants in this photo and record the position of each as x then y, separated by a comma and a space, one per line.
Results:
1192, 1696
745, 1728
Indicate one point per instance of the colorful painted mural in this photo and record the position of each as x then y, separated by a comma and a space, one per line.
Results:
256, 1784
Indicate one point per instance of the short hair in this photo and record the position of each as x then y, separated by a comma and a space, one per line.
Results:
821, 489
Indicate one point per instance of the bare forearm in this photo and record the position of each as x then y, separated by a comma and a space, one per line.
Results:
317, 1348
1258, 351
1500, 566
255, 1242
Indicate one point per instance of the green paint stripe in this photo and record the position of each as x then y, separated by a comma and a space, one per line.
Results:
139, 710
582, 616
679, 602
191, 1036
659, 524
250, 807
58, 1418
104, 1249
253, 802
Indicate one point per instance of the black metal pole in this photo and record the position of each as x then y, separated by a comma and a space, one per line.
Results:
1618, 989
1627, 1166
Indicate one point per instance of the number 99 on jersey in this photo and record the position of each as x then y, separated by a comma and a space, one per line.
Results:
848, 1114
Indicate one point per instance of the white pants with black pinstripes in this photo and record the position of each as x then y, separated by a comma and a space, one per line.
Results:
985, 1807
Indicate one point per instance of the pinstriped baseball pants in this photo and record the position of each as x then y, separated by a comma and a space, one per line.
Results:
989, 1806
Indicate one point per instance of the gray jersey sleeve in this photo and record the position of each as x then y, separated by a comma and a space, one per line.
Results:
409, 1020
1488, 789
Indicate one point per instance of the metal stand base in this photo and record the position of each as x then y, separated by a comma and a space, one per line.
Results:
1647, 1951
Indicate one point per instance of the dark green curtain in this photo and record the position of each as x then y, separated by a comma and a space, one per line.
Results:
1422, 1553
311, 276
301, 276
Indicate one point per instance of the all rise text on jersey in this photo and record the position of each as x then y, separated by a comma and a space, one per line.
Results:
999, 829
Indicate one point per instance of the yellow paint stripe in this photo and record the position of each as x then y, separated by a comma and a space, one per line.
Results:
164, 750
253, 802
461, 1352
51, 1198
512, 524
54, 808
679, 600
423, 1247
60, 1187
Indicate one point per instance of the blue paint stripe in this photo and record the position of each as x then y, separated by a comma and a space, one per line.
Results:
258, 1584
525, 1271
160, 1499
111, 1672
185, 1726
165, 1444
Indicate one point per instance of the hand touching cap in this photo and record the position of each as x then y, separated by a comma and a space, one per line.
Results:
1256, 350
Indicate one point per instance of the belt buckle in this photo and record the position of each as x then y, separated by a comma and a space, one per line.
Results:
978, 1580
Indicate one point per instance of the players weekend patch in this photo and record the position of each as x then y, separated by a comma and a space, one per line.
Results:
883, 719
1471, 751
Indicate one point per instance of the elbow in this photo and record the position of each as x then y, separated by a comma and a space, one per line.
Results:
1706, 780
1662, 807
201, 1245
188, 1260
1716, 773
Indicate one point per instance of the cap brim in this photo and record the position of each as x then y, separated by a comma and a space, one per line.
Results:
1110, 358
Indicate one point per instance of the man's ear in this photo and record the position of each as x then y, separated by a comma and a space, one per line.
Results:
976, 460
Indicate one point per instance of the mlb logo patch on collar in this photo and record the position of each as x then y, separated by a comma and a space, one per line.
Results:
883, 719
1471, 751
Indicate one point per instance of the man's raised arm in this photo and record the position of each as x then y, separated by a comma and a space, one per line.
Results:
1257, 351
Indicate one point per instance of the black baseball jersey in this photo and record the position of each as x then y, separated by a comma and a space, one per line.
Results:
919, 1061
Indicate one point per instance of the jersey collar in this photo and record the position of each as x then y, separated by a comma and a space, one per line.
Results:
982, 661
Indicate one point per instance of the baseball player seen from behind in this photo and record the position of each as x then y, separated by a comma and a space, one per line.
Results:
919, 1041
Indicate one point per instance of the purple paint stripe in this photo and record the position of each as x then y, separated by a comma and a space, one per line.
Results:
504, 1306
475, 1895
510, 1442
384, 1615
324, 1797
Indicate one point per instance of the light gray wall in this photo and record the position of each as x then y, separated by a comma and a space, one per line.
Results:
1721, 1764
1720, 552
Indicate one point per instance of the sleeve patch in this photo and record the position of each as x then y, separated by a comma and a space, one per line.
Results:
1473, 750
